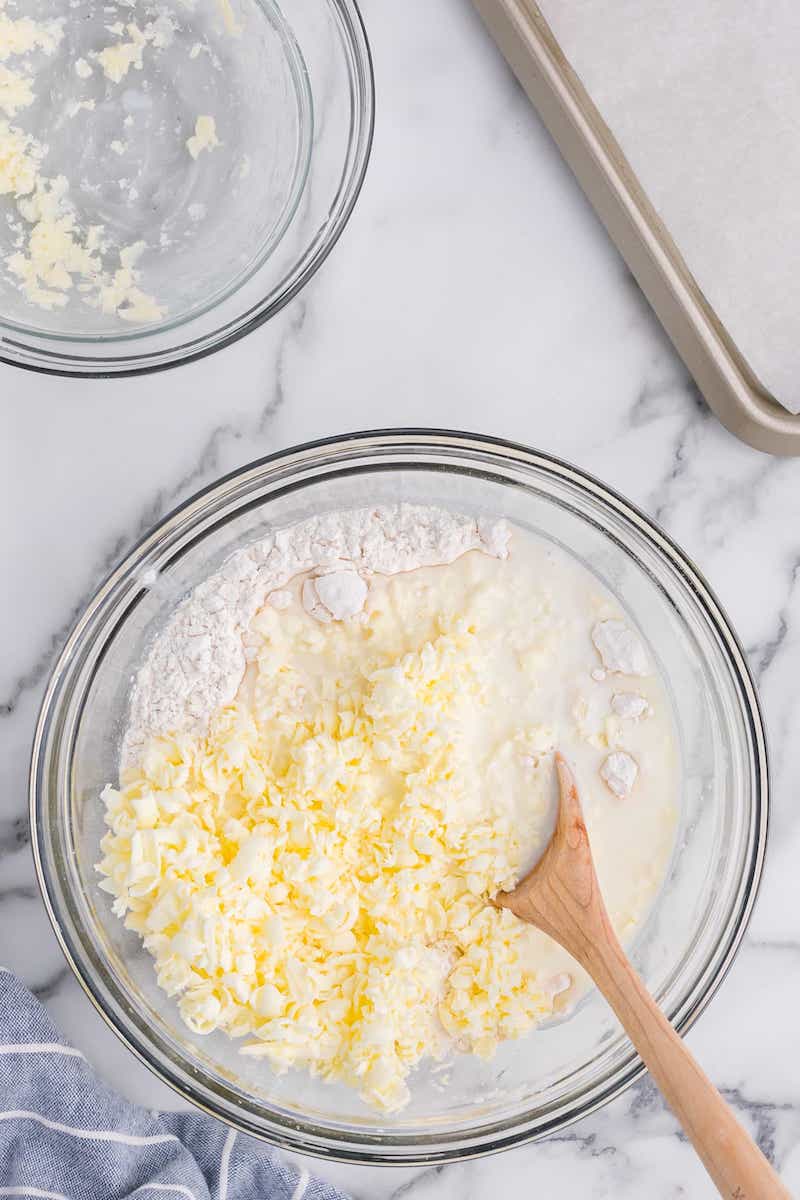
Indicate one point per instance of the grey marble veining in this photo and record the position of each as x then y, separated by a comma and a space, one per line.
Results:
473, 289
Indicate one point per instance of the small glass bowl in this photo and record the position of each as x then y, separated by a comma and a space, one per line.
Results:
553, 1076
229, 236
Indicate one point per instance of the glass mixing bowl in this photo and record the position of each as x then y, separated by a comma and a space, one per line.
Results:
556, 1074
229, 236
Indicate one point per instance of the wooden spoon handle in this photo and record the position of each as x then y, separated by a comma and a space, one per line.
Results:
731, 1157
561, 896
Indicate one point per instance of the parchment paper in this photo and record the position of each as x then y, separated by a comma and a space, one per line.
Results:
703, 97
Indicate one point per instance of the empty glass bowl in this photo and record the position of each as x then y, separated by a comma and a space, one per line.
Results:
224, 236
554, 1075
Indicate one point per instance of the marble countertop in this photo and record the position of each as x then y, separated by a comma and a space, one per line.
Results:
475, 289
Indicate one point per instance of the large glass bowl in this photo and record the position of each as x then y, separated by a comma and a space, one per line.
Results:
230, 235
553, 1076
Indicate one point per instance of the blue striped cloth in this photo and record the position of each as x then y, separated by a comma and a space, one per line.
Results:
65, 1135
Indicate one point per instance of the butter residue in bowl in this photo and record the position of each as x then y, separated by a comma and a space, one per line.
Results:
56, 254
204, 136
53, 252
311, 867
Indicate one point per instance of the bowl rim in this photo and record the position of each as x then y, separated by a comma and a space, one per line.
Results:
43, 360
378, 1148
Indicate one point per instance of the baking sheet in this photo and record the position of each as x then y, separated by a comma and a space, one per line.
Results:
704, 100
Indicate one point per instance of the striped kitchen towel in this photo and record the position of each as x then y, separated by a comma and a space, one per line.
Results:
65, 1135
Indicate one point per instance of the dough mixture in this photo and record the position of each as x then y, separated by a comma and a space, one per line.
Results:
340, 748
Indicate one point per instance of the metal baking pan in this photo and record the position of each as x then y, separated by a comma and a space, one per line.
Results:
590, 149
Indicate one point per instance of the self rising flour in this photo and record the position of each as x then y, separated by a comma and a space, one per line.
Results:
197, 662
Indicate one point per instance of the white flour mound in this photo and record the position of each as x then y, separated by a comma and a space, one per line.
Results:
197, 662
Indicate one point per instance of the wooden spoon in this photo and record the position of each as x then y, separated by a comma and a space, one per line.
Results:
561, 896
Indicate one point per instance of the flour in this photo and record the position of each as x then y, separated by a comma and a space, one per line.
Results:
619, 772
334, 595
620, 648
281, 599
629, 706
197, 662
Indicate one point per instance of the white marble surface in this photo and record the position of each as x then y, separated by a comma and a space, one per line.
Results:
474, 289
